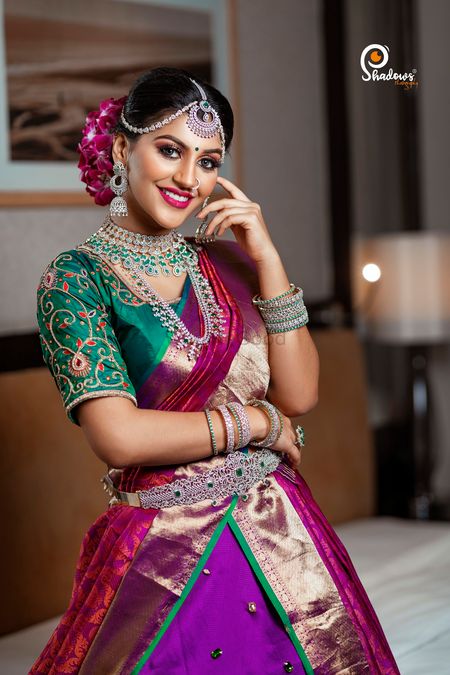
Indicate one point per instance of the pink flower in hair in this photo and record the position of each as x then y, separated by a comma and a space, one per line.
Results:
95, 149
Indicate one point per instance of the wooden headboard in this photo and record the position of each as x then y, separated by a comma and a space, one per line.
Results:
338, 460
51, 478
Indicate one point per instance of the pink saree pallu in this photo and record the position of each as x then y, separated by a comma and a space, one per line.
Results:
249, 583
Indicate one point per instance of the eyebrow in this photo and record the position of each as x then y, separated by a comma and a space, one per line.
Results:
183, 145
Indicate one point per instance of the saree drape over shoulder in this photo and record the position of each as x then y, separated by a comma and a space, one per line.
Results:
246, 584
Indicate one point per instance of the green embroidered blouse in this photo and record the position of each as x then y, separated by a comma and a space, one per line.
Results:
97, 337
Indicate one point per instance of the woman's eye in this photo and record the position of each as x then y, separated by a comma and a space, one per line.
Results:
169, 148
210, 165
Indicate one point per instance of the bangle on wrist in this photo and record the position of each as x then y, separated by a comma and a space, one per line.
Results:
281, 422
229, 426
215, 450
242, 421
257, 300
261, 432
237, 443
275, 422
283, 312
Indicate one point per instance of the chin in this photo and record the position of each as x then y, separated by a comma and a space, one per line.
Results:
166, 216
169, 222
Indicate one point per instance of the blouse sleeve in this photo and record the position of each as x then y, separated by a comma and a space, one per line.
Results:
78, 343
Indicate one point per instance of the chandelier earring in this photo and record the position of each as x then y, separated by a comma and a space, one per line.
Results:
118, 184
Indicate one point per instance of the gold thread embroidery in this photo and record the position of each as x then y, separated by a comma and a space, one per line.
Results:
79, 365
78, 343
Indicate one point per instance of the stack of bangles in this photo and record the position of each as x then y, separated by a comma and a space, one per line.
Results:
283, 312
237, 410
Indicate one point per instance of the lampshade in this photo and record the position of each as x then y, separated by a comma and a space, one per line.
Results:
410, 302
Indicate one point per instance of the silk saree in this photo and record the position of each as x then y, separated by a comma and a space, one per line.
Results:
247, 584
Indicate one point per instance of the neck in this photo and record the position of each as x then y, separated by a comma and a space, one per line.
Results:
121, 232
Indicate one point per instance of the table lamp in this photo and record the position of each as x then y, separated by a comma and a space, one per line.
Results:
401, 295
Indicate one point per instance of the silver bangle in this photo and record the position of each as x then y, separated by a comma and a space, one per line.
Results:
288, 313
283, 319
283, 312
290, 303
275, 424
229, 427
283, 326
242, 421
281, 422
257, 300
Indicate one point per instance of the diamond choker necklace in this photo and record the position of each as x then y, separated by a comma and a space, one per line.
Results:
153, 254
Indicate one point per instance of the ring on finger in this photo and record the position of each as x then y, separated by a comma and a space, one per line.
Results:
300, 434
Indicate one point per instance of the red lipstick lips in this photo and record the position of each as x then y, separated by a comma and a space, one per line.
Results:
179, 204
177, 192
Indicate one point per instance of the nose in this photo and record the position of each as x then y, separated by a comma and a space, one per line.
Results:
186, 177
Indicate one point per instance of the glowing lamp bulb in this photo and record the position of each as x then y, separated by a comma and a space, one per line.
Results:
371, 272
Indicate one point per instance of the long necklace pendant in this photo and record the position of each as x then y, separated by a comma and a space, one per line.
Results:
209, 306
193, 352
183, 342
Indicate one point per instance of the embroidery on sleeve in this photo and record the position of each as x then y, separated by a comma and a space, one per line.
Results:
78, 343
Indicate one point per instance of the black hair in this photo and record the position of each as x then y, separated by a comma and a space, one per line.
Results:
162, 91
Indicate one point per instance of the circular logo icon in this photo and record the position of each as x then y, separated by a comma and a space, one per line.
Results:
373, 56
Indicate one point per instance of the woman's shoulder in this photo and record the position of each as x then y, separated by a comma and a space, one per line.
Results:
66, 270
70, 259
68, 263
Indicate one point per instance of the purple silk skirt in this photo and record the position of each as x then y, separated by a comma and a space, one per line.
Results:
215, 619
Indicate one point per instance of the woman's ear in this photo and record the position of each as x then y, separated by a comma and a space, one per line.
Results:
119, 150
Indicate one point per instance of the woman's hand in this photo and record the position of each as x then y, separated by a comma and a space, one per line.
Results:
245, 219
286, 443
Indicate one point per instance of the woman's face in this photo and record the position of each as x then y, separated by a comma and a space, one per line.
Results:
155, 161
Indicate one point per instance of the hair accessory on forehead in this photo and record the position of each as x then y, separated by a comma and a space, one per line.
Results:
203, 120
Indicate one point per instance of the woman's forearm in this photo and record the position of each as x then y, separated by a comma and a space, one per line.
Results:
158, 437
293, 357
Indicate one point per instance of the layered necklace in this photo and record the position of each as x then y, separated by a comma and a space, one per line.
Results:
144, 255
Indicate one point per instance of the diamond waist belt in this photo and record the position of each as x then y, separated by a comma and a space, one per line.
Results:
236, 475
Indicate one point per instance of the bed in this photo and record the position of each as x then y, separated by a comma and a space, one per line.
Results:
405, 568
404, 565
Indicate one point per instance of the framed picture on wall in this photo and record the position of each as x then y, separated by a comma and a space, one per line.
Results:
58, 65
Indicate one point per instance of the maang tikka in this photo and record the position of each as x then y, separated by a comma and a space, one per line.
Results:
202, 119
